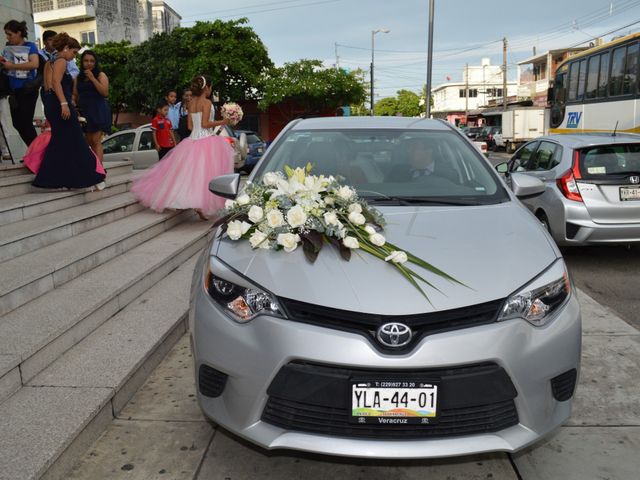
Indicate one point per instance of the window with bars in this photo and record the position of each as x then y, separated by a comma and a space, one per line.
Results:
70, 3
42, 5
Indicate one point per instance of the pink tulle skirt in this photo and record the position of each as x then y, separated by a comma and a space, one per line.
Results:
181, 179
33, 157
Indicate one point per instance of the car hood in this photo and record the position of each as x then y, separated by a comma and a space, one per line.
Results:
493, 250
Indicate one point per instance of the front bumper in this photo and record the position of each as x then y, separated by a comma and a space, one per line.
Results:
253, 354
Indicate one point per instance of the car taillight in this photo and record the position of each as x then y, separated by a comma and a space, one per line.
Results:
568, 184
231, 141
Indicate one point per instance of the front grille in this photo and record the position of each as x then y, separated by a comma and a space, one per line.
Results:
335, 421
315, 399
563, 385
367, 324
211, 381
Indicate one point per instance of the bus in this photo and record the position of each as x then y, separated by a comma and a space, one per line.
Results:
597, 90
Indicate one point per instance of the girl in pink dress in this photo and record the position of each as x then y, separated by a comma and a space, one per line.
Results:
181, 179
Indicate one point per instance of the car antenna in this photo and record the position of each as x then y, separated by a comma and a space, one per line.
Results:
616, 128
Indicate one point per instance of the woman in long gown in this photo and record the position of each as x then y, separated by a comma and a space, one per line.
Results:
91, 91
181, 180
68, 161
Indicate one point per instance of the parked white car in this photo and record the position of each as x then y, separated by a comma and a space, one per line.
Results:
137, 145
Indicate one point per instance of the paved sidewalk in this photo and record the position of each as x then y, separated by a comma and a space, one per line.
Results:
161, 433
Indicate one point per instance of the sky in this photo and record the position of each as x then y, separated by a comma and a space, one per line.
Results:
465, 31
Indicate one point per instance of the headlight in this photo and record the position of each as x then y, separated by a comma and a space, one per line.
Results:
537, 302
241, 300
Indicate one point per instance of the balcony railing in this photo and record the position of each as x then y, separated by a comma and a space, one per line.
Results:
51, 11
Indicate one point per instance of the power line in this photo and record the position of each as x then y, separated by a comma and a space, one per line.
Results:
269, 10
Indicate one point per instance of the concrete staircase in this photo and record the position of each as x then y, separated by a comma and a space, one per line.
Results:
94, 291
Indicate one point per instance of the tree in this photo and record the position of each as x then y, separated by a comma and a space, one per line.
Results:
309, 85
386, 107
114, 58
230, 52
408, 103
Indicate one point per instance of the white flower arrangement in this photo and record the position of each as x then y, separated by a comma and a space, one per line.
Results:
283, 212
231, 111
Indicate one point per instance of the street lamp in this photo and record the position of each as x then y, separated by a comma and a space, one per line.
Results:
373, 32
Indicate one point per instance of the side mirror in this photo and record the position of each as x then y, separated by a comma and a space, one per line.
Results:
226, 186
524, 185
502, 167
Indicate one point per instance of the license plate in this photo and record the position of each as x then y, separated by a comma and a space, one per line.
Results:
393, 402
629, 193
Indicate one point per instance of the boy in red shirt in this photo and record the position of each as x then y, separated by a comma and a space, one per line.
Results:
162, 130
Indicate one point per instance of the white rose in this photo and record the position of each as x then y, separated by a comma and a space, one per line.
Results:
256, 213
296, 216
275, 218
258, 240
357, 218
243, 199
397, 257
370, 230
377, 239
270, 178
331, 218
289, 241
236, 229
329, 201
229, 204
345, 193
351, 242
355, 207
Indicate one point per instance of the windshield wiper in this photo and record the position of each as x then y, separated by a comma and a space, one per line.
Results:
421, 201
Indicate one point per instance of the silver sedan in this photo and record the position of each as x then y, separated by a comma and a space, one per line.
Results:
495, 362
591, 186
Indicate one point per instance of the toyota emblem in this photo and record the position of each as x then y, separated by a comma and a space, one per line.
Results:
394, 335
634, 179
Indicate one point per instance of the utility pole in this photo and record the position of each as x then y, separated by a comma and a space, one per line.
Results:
504, 73
466, 95
337, 57
429, 59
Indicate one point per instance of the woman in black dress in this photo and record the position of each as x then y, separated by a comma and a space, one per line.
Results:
68, 160
91, 91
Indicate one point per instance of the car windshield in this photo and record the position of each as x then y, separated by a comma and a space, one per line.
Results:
253, 138
393, 166
610, 160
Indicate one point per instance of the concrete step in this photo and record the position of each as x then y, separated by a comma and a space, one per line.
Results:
17, 181
8, 170
37, 333
48, 424
28, 235
29, 205
16, 185
29, 276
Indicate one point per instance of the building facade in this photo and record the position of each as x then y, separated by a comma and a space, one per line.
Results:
97, 21
536, 74
165, 18
481, 85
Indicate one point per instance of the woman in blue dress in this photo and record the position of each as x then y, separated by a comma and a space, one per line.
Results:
91, 91
68, 161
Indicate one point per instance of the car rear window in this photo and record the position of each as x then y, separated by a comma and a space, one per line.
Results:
606, 160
